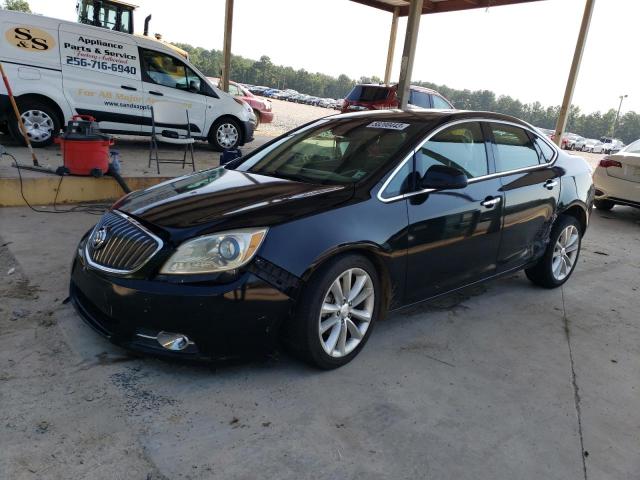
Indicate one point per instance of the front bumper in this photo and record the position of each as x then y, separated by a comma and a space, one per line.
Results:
248, 128
266, 116
221, 320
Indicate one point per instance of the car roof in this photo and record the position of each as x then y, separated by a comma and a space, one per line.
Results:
434, 115
395, 85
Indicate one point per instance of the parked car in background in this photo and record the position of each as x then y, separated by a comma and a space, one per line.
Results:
550, 134
381, 96
567, 140
575, 143
609, 145
258, 90
617, 178
590, 144
234, 258
261, 107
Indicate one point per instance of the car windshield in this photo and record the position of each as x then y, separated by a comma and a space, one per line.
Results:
340, 151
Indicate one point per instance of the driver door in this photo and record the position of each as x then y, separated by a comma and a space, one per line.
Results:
168, 79
454, 235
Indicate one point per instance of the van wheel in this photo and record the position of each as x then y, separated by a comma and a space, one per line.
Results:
40, 120
225, 134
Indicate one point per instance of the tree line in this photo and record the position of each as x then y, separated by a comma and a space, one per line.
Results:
265, 72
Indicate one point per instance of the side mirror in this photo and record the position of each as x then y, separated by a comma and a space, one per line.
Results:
194, 86
441, 177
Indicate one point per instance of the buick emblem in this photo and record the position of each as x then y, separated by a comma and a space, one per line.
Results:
99, 238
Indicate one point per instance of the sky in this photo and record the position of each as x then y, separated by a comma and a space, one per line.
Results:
520, 50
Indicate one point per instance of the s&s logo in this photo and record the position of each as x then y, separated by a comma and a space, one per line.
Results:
30, 39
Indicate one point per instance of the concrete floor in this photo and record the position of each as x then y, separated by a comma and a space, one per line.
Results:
493, 383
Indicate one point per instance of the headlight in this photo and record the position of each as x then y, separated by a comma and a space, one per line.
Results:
215, 253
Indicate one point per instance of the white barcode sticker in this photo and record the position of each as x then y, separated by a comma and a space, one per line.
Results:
388, 125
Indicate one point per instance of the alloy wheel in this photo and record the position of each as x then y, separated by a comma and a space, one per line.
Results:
346, 312
38, 124
227, 135
565, 253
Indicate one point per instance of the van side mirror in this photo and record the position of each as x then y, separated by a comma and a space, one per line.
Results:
442, 177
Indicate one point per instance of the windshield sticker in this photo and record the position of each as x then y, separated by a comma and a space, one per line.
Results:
388, 125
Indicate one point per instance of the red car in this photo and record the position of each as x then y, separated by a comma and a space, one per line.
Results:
261, 106
379, 96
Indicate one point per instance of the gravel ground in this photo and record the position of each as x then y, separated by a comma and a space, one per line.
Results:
288, 115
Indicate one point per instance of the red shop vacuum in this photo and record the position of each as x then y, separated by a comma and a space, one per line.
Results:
85, 150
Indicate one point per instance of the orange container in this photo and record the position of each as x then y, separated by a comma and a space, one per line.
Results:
85, 151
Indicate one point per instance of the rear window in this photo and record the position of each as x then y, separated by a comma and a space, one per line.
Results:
361, 93
633, 148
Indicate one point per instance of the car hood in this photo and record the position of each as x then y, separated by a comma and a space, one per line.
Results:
220, 198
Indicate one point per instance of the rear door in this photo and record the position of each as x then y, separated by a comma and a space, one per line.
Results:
169, 79
531, 189
454, 235
101, 77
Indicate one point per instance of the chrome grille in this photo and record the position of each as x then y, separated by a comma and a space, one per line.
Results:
119, 244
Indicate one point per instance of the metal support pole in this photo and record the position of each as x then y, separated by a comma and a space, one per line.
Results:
573, 73
392, 45
615, 123
226, 50
409, 51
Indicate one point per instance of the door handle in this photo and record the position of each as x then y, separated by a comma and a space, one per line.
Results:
549, 184
127, 87
160, 94
490, 202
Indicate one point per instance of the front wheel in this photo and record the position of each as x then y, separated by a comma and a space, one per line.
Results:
561, 256
225, 134
336, 312
40, 121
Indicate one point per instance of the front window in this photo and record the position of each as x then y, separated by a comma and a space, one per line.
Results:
339, 152
439, 102
168, 71
419, 99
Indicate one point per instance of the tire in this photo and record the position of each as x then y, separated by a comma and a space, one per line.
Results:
41, 121
603, 204
223, 136
303, 335
257, 114
543, 273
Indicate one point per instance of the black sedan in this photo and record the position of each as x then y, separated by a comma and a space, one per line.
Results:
311, 238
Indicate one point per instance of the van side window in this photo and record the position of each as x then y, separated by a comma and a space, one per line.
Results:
168, 71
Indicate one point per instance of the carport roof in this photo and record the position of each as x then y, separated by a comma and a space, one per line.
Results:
437, 6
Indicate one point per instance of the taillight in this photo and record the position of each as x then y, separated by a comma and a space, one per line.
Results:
607, 162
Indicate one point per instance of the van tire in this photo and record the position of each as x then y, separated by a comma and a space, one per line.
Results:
45, 117
217, 136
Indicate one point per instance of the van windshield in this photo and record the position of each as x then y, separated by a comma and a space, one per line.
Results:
339, 152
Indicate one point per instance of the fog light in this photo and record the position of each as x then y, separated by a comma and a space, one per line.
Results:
173, 341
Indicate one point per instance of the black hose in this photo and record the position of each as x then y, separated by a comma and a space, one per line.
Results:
119, 179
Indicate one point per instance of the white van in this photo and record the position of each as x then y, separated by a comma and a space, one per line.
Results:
58, 68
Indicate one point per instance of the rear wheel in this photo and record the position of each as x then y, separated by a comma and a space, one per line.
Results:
561, 256
603, 204
336, 312
40, 121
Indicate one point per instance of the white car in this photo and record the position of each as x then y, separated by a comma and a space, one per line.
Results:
611, 146
590, 145
617, 178
58, 69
